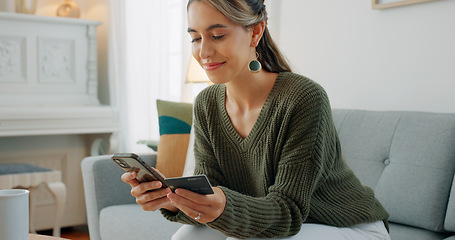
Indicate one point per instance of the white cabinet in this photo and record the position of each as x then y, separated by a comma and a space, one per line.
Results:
49, 108
48, 77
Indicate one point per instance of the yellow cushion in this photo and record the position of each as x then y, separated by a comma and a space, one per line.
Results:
172, 150
175, 120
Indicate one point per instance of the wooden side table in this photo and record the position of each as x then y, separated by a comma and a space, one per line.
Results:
30, 177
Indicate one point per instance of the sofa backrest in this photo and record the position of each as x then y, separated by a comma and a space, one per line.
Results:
407, 158
449, 224
109, 188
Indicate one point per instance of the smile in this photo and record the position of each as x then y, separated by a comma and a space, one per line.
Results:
212, 66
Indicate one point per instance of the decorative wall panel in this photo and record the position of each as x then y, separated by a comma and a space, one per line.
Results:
56, 61
52, 61
12, 59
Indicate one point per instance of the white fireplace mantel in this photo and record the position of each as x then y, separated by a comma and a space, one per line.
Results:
29, 121
50, 115
48, 77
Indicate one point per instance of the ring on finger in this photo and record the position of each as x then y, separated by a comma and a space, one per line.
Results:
198, 216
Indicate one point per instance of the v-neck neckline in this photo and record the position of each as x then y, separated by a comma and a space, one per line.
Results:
258, 124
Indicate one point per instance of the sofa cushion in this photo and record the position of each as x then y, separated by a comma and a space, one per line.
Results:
406, 157
129, 221
401, 232
175, 120
449, 224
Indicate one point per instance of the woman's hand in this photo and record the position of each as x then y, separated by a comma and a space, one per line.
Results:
149, 195
202, 208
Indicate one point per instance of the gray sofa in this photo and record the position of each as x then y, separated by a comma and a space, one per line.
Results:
408, 158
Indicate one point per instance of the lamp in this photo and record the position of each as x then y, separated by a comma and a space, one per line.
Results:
196, 73
68, 9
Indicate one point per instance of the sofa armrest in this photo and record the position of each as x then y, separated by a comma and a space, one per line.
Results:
150, 143
103, 187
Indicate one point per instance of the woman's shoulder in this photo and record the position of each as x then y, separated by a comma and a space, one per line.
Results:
301, 95
291, 84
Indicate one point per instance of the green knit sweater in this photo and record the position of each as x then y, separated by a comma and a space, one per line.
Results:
287, 171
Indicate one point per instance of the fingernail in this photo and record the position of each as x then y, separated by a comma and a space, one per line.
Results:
157, 184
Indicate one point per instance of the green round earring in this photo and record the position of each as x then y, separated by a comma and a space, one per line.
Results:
255, 66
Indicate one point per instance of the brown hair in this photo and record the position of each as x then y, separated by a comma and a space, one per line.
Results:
248, 13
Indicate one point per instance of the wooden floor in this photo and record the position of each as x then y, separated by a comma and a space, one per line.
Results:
73, 233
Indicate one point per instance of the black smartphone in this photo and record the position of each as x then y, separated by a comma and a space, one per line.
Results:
131, 162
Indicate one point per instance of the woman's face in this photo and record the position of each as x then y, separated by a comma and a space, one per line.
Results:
221, 47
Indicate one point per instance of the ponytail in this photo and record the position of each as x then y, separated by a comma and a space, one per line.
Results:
270, 56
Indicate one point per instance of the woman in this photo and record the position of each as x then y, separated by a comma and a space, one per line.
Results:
265, 139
